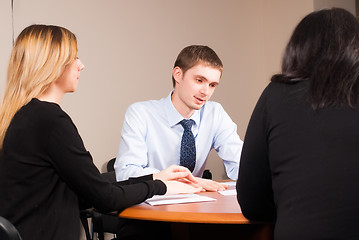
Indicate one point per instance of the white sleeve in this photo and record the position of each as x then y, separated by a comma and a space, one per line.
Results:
132, 158
228, 144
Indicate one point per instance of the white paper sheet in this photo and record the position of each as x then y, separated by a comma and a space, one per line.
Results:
231, 183
177, 198
228, 192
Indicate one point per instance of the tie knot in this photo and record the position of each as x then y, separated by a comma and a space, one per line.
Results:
187, 124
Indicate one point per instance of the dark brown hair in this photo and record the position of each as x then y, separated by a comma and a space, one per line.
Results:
194, 54
324, 50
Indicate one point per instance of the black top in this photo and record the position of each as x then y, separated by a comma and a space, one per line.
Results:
300, 167
45, 169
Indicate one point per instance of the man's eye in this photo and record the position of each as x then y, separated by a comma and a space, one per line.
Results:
199, 80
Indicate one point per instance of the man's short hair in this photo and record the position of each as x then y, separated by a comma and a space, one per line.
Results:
195, 54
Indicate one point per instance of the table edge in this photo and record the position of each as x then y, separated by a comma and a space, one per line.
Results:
221, 218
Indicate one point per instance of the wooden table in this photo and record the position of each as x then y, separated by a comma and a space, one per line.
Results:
203, 220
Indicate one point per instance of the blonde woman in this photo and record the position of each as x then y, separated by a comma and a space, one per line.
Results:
44, 166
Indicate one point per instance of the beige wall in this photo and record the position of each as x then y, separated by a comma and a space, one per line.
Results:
346, 4
129, 48
5, 41
263, 34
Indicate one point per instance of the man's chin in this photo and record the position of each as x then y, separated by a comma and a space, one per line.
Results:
197, 106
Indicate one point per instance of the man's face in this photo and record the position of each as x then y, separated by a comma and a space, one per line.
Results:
194, 87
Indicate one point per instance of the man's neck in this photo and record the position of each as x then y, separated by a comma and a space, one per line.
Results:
181, 108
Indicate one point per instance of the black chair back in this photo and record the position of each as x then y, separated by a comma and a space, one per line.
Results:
8, 230
110, 164
100, 223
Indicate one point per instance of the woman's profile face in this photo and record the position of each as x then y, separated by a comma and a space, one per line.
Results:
69, 79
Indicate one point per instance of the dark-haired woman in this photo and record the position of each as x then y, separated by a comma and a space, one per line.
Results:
300, 161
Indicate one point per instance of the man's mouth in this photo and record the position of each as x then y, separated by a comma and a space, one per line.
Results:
200, 100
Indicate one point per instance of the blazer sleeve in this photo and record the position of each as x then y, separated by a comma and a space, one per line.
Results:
254, 184
75, 166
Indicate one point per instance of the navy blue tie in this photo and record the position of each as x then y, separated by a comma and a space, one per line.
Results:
188, 147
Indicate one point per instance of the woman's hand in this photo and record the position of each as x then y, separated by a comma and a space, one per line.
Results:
175, 172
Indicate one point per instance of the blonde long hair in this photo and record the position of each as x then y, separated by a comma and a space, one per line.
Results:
38, 58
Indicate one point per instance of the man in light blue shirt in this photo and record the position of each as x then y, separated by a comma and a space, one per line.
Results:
151, 133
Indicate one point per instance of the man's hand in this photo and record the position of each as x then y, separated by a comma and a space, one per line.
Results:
210, 185
178, 173
176, 187
183, 175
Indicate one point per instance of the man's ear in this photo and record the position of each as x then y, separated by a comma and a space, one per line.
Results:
177, 74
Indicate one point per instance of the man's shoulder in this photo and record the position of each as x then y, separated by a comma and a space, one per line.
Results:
148, 105
212, 106
145, 109
213, 110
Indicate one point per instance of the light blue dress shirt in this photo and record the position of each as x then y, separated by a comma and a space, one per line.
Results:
151, 138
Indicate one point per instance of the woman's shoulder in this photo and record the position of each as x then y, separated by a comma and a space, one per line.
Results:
279, 90
42, 112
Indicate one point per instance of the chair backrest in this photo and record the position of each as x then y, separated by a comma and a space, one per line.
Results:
8, 230
100, 222
110, 164
110, 174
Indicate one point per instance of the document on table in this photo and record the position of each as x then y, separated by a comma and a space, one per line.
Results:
177, 198
231, 189
229, 192
231, 183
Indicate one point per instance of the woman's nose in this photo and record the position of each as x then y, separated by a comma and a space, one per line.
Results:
80, 65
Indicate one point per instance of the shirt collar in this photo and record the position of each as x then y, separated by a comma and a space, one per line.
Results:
173, 116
